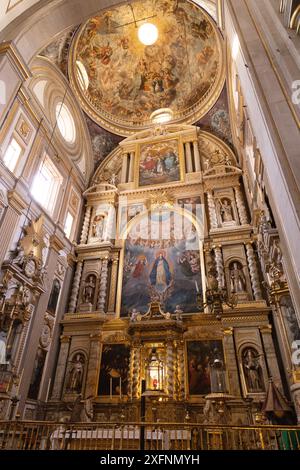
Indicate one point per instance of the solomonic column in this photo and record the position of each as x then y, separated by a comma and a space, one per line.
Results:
170, 369
255, 281
181, 370
86, 225
212, 210
75, 288
219, 266
135, 378
103, 286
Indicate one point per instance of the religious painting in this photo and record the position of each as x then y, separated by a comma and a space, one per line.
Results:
200, 357
114, 369
122, 81
217, 120
162, 262
54, 296
159, 163
37, 373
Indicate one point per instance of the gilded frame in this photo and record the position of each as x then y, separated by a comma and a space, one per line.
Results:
181, 163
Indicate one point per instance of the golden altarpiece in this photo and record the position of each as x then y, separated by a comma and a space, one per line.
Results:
166, 224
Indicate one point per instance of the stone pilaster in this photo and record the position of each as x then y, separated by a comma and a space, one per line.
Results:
124, 168
253, 272
103, 286
86, 225
61, 367
131, 167
93, 366
113, 287
111, 224
241, 206
219, 266
188, 154
230, 363
212, 211
196, 156
75, 288
271, 359
10, 221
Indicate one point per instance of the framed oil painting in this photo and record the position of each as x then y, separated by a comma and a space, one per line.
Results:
159, 163
113, 379
162, 262
200, 356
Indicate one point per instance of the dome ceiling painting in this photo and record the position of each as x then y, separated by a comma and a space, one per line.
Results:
120, 82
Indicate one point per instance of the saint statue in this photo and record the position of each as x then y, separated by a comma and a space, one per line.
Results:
178, 313
252, 371
160, 276
226, 211
237, 278
98, 226
88, 410
3, 339
89, 290
134, 315
76, 375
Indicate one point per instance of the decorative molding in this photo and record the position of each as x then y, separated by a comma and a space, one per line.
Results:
8, 48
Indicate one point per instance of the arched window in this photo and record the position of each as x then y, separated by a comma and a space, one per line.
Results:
65, 123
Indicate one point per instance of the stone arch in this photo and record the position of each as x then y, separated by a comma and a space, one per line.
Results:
55, 89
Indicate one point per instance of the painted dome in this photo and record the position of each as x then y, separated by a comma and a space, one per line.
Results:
121, 82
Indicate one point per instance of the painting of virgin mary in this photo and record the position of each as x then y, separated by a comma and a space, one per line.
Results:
160, 276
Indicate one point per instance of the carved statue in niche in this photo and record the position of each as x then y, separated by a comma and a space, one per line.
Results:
88, 293
3, 339
76, 374
237, 278
98, 228
252, 371
88, 410
226, 210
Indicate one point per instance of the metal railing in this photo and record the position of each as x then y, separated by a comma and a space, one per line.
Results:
33, 435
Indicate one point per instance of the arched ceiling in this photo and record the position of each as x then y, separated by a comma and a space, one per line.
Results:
12, 9
28, 25
125, 81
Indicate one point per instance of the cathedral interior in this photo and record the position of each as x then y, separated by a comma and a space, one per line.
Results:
149, 224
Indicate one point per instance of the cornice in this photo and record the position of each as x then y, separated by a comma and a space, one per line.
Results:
9, 49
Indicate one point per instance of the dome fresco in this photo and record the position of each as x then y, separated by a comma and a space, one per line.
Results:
126, 81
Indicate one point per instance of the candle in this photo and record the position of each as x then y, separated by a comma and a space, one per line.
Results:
48, 390
110, 388
197, 287
20, 380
